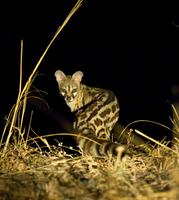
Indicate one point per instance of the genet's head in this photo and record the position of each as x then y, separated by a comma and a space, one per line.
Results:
69, 85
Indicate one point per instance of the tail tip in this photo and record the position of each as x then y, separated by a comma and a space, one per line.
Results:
121, 151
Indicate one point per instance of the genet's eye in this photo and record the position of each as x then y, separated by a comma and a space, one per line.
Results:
63, 92
74, 90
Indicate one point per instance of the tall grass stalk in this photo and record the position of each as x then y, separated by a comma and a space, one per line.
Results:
23, 92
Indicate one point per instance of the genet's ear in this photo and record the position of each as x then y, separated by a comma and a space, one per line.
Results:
77, 76
60, 75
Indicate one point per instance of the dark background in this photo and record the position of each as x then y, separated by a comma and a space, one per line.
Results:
130, 48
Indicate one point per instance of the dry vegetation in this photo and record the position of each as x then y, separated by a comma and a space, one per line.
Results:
28, 172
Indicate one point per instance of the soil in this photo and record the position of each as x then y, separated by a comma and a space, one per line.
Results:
28, 173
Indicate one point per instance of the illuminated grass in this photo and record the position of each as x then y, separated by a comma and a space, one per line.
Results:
23, 92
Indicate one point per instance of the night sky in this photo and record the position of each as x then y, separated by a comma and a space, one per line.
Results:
130, 48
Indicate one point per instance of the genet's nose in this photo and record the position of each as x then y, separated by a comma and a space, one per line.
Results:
69, 98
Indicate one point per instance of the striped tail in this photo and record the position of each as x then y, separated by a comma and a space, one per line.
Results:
98, 147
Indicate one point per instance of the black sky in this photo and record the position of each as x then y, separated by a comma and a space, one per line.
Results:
130, 48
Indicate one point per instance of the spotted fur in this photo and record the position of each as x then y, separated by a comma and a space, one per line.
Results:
96, 112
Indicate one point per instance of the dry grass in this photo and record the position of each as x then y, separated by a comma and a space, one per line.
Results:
30, 173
